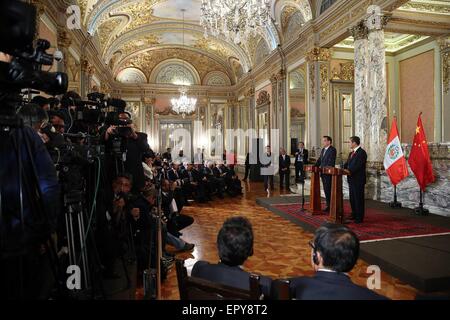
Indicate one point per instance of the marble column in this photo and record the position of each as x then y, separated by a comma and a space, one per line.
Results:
361, 82
274, 103
64, 42
377, 84
84, 77
282, 108
317, 88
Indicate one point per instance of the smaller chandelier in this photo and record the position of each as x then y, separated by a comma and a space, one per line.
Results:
183, 104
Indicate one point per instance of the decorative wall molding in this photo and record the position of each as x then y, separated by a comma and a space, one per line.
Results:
263, 98
324, 81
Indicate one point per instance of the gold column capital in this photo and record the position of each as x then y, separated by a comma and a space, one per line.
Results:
318, 54
64, 38
359, 31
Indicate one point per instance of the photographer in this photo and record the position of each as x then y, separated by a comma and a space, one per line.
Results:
125, 148
36, 118
24, 242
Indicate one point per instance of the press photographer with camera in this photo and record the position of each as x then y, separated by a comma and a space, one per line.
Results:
125, 148
28, 178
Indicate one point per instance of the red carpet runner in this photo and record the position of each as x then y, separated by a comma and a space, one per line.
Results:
376, 225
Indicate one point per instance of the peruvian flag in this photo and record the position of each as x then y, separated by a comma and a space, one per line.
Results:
419, 158
394, 160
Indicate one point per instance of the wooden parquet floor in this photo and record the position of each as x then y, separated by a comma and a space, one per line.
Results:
280, 248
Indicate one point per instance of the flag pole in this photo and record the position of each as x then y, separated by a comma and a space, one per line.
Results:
420, 210
395, 204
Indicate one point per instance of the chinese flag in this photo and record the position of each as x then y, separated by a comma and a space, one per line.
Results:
419, 158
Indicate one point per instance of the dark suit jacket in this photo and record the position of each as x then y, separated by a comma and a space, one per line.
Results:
230, 276
167, 155
218, 173
357, 167
330, 286
172, 174
328, 159
286, 163
305, 156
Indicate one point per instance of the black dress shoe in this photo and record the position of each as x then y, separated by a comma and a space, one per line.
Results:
187, 247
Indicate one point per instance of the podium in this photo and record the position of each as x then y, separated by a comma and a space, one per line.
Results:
337, 199
314, 196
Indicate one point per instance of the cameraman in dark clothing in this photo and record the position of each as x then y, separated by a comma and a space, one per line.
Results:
24, 260
122, 138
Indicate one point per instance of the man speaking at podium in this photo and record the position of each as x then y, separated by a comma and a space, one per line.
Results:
356, 170
327, 159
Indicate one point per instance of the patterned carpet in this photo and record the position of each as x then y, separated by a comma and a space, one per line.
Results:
377, 225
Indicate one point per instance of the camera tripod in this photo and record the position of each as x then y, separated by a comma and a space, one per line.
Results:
152, 275
81, 244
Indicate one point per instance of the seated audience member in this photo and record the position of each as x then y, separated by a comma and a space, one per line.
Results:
235, 245
232, 180
192, 185
335, 250
176, 221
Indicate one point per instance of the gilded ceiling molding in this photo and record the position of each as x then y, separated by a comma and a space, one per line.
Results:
150, 59
318, 54
101, 11
286, 14
177, 27
439, 8
346, 72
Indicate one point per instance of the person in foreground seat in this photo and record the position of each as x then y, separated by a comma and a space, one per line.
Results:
334, 252
235, 245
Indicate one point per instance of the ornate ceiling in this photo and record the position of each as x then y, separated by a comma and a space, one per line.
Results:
393, 41
142, 33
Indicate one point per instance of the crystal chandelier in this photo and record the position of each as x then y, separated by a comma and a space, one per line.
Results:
183, 104
235, 19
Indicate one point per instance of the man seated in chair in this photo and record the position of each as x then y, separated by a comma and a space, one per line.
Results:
235, 245
334, 253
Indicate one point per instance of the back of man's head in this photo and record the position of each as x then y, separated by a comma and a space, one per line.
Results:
338, 246
33, 115
235, 241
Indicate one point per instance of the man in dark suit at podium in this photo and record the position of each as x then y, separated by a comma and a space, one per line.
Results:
327, 159
301, 158
356, 170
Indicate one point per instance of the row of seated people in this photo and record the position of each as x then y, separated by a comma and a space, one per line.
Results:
334, 253
196, 181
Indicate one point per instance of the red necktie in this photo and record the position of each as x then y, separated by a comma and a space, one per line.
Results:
353, 154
